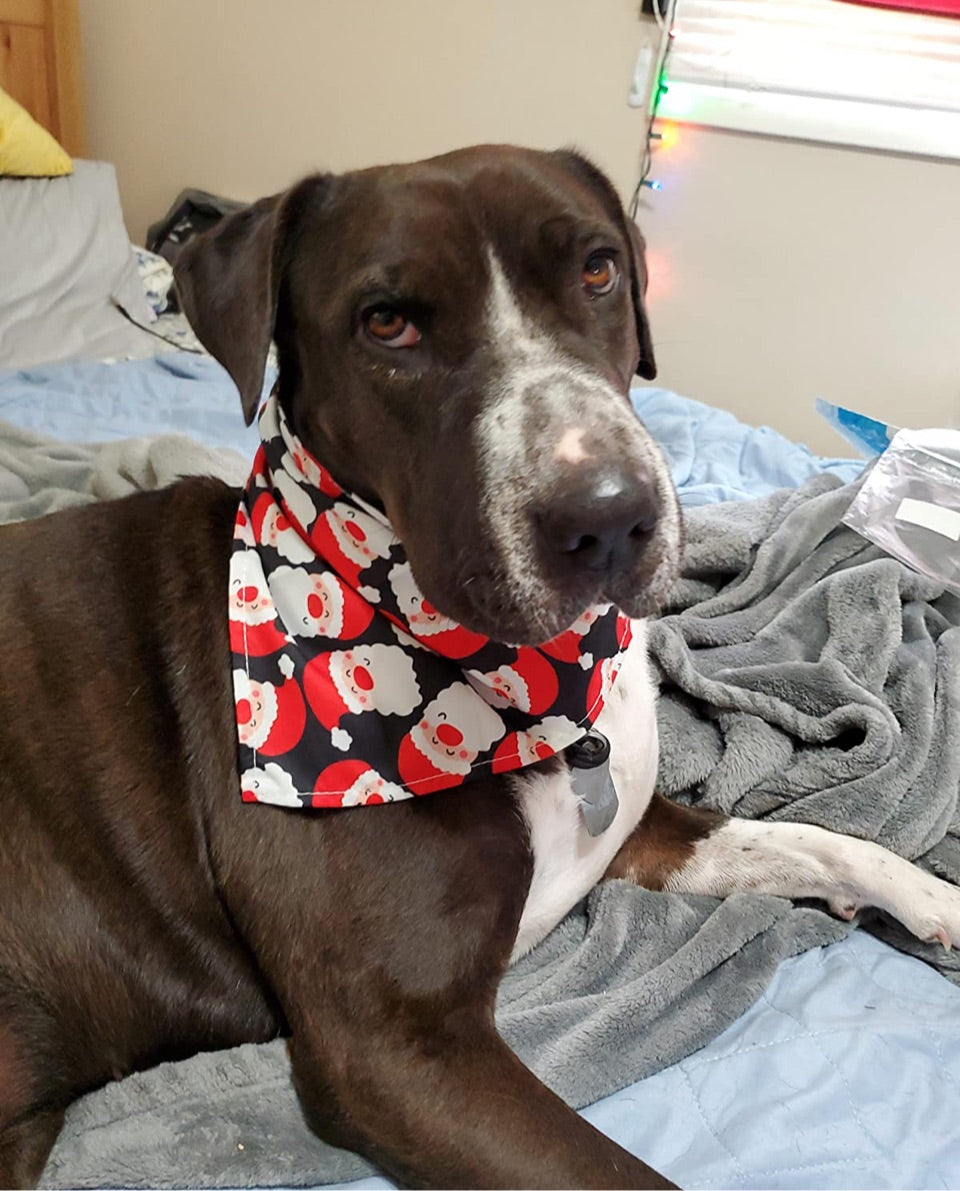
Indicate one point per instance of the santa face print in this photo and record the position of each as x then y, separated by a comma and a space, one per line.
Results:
424, 620
537, 743
501, 689
278, 532
528, 682
369, 790
269, 784
541, 742
323, 609
355, 679
361, 539
310, 605
308, 467
454, 727
256, 706
446, 739
250, 603
380, 677
296, 501
353, 783
532, 748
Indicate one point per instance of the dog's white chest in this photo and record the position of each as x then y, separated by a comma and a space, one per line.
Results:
567, 860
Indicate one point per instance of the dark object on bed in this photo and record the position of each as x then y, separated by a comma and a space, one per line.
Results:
193, 211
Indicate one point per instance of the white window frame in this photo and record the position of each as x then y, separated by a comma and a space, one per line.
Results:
750, 97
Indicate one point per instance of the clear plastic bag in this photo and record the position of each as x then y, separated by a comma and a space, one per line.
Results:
909, 503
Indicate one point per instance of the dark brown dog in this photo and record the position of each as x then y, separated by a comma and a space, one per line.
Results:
456, 340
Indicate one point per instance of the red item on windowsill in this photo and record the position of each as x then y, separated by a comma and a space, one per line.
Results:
939, 8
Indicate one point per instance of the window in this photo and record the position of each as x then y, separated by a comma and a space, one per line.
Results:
823, 70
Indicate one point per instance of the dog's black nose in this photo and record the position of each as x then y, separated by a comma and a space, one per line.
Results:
602, 520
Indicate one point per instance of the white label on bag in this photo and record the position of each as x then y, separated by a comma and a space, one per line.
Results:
920, 512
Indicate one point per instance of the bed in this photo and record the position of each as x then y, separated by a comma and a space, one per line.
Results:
840, 1067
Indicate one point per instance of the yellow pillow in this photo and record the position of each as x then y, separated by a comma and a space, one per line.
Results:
26, 149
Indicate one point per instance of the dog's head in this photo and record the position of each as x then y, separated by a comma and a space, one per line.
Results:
456, 340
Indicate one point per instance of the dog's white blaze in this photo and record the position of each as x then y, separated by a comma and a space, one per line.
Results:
572, 398
528, 357
799, 860
570, 448
567, 861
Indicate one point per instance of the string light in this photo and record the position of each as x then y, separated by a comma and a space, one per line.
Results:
663, 11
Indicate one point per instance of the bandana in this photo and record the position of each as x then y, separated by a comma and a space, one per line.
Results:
350, 687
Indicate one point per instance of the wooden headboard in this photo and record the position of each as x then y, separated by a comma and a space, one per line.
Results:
40, 65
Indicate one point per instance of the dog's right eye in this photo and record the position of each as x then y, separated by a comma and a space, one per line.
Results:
387, 325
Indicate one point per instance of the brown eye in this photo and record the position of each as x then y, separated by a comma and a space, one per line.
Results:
388, 326
600, 275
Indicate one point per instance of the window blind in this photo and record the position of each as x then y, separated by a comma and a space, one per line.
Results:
823, 69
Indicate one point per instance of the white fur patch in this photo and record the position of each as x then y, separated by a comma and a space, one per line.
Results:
567, 860
798, 860
540, 384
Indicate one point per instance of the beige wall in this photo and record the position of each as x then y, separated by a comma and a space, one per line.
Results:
242, 96
782, 270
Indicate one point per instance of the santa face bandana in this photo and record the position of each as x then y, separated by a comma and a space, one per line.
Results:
350, 688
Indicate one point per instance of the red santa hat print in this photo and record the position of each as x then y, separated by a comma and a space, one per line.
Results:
439, 751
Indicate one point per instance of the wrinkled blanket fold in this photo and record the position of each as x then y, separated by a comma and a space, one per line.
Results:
804, 675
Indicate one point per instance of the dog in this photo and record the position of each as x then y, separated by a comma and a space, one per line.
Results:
456, 339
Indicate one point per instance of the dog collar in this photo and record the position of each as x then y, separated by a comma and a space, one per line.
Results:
350, 688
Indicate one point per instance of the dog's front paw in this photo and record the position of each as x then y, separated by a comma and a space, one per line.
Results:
929, 908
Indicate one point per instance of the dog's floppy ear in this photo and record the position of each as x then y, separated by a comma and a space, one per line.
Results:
646, 365
227, 283
228, 280
587, 172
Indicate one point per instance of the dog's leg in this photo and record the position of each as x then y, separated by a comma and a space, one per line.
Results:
25, 1147
453, 1107
384, 933
684, 850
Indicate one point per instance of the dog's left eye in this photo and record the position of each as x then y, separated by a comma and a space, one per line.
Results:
387, 325
600, 275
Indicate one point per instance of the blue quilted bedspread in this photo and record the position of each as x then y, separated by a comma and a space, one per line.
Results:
847, 1072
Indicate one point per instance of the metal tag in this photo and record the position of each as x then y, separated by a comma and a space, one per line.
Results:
592, 782
598, 797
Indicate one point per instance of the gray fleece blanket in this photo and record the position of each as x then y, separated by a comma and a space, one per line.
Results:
804, 675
